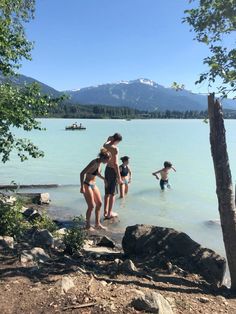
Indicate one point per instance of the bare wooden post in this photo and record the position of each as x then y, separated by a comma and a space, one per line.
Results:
224, 185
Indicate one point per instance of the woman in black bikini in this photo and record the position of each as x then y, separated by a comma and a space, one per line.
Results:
90, 190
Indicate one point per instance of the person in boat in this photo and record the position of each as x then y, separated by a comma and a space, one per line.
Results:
126, 176
112, 175
90, 190
164, 172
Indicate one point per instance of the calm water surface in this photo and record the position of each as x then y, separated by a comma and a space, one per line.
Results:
188, 206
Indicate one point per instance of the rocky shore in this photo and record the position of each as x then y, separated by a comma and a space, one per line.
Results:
156, 270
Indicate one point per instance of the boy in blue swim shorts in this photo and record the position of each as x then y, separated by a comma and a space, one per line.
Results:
164, 182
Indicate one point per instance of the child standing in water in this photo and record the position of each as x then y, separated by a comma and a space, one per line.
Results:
125, 174
164, 182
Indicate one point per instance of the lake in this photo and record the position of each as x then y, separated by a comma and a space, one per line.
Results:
187, 206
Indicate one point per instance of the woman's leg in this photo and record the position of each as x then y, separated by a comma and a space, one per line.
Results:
98, 203
126, 188
110, 206
106, 202
88, 195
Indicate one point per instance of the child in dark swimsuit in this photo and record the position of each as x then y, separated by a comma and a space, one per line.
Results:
164, 182
126, 175
90, 190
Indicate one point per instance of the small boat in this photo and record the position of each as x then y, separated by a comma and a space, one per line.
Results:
75, 126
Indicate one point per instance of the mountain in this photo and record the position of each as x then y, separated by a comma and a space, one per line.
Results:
20, 80
142, 94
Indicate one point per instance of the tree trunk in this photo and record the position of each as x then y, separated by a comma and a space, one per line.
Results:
224, 186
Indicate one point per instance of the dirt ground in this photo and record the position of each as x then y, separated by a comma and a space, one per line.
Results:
37, 289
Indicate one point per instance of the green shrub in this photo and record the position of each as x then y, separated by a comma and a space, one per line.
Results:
12, 222
44, 222
75, 236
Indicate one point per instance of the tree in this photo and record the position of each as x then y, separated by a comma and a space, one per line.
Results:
214, 22
18, 106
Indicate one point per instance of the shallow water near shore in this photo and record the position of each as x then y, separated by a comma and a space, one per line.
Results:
187, 206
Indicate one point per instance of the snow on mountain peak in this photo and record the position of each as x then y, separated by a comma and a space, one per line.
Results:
147, 81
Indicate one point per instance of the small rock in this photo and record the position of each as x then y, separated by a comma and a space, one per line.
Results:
6, 242
107, 242
66, 283
204, 300
153, 303
43, 238
44, 198
59, 244
128, 266
118, 261
103, 283
61, 231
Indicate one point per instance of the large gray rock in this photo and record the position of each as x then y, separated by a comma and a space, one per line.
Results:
36, 254
128, 267
32, 214
6, 242
43, 238
158, 243
44, 198
152, 302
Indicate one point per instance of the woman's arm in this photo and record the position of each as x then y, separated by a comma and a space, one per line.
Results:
99, 173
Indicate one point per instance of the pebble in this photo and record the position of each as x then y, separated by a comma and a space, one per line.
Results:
103, 283
204, 300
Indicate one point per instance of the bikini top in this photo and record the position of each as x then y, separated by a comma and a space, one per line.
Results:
95, 172
124, 171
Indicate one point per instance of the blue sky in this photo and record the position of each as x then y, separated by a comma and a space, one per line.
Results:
81, 43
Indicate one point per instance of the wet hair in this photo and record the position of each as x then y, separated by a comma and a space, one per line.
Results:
117, 137
167, 164
104, 154
125, 158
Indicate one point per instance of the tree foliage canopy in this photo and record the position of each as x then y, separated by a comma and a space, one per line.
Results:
214, 22
13, 43
18, 106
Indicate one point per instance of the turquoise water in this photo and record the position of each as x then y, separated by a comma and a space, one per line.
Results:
187, 206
